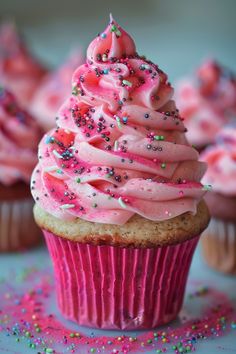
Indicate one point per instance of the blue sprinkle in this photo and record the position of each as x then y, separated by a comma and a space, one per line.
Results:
125, 119
48, 139
105, 71
103, 35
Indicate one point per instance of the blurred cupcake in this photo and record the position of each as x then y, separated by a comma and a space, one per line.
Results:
117, 192
19, 135
219, 241
207, 102
53, 91
19, 71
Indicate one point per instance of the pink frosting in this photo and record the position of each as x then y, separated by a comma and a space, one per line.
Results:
19, 71
221, 160
120, 145
207, 103
53, 91
19, 136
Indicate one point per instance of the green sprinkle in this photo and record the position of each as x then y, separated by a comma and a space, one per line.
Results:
75, 91
17, 339
72, 335
27, 334
78, 180
49, 350
207, 187
95, 205
92, 350
159, 137
38, 330
149, 341
163, 165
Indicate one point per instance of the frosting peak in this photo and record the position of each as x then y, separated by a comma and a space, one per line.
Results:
113, 43
120, 145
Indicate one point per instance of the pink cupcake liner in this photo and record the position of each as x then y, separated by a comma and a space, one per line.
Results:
219, 245
119, 288
18, 229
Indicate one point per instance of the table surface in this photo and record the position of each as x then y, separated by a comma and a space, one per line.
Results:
30, 321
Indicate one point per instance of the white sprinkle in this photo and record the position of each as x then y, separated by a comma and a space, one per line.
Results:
122, 203
50, 168
127, 83
73, 147
67, 206
118, 122
116, 145
66, 131
57, 154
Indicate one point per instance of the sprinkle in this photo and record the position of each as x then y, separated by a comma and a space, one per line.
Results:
50, 168
57, 154
49, 139
125, 120
116, 30
105, 71
67, 206
207, 187
75, 91
95, 205
127, 83
146, 115
159, 137
116, 145
103, 35
49, 350
78, 180
118, 122
121, 202
163, 165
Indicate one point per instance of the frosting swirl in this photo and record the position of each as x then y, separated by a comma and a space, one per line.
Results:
120, 145
19, 135
19, 71
221, 160
207, 102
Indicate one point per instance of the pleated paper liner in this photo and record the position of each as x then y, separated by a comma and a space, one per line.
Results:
219, 245
119, 288
18, 230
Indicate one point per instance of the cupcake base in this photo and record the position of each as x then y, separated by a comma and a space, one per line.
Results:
219, 245
18, 230
112, 287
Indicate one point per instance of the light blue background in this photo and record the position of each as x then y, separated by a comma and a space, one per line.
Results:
176, 34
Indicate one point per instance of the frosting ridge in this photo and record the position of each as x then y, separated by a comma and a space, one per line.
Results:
120, 145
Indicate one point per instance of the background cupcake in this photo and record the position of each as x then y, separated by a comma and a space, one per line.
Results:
20, 72
19, 135
219, 241
53, 91
117, 192
207, 102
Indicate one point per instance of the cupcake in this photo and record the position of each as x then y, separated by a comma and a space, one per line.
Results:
53, 91
19, 71
219, 241
19, 135
117, 192
207, 102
